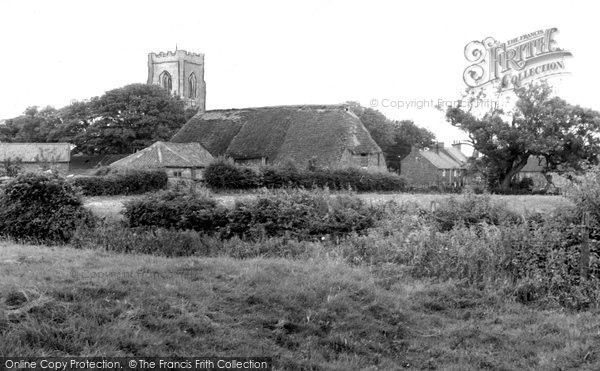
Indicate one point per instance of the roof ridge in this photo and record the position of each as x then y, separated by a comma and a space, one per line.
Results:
176, 154
297, 106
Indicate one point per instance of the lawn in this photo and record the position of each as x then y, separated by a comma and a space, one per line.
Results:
315, 313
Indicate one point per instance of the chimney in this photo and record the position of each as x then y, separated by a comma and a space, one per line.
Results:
438, 146
458, 145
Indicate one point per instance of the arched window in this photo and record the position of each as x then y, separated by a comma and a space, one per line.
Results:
192, 86
166, 81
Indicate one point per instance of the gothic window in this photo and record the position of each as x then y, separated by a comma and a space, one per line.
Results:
192, 86
166, 81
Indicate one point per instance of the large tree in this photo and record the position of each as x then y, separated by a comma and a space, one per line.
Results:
540, 125
129, 118
395, 138
35, 125
119, 121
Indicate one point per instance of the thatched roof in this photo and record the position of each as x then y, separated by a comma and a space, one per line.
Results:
36, 152
167, 154
284, 133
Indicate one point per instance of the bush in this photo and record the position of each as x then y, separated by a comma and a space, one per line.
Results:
176, 209
39, 207
299, 214
471, 209
122, 182
225, 175
294, 213
222, 174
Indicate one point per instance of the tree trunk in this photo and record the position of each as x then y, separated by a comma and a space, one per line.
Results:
506, 180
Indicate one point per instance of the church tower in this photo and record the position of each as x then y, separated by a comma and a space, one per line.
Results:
181, 73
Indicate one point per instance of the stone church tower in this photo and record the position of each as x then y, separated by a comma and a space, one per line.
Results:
181, 73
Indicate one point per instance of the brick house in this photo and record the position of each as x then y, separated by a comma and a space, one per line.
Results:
437, 166
36, 157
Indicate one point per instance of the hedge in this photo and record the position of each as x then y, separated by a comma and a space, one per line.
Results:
122, 182
224, 175
41, 208
293, 213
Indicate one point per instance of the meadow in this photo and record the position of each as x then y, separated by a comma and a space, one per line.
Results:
315, 314
317, 280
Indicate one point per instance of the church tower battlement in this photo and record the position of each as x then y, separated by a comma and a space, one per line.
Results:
181, 73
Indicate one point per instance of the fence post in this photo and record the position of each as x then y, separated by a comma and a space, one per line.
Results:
433, 205
584, 263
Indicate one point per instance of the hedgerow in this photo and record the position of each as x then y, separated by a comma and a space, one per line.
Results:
295, 213
225, 175
122, 182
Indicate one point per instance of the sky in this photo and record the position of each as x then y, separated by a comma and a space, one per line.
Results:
265, 53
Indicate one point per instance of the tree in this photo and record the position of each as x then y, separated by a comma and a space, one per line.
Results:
395, 138
119, 121
126, 119
34, 125
540, 125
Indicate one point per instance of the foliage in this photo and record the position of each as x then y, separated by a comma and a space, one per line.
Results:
119, 121
295, 213
584, 191
130, 117
176, 209
12, 168
42, 208
225, 175
122, 182
471, 209
395, 138
541, 125
298, 214
34, 125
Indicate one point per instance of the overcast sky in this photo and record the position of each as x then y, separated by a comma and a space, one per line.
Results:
263, 53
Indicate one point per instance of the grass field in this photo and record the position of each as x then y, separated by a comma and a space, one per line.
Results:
312, 314
111, 206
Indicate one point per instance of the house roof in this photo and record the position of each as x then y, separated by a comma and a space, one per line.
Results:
456, 154
283, 133
36, 152
167, 154
440, 159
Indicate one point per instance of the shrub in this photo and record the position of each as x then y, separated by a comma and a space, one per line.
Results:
470, 209
222, 174
176, 209
42, 208
122, 182
298, 214
293, 213
584, 191
225, 175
